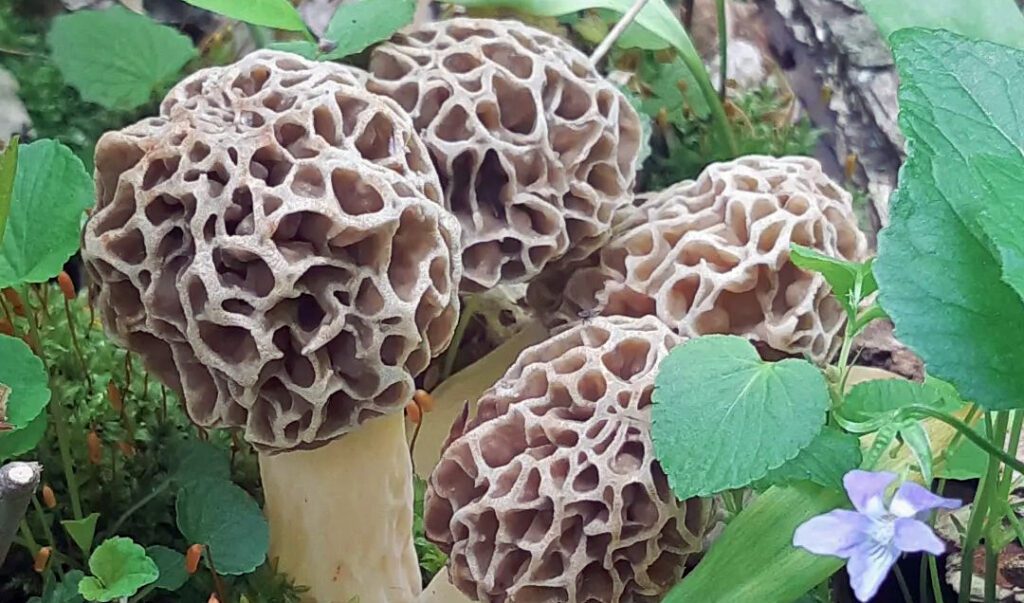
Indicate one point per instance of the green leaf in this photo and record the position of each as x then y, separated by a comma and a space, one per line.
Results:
840, 274
992, 20
224, 518
302, 48
117, 58
755, 560
192, 460
724, 418
357, 25
82, 531
8, 169
1003, 221
829, 456
171, 564
119, 569
18, 442
279, 14
869, 399
51, 192
941, 280
23, 372
656, 17
965, 460
65, 591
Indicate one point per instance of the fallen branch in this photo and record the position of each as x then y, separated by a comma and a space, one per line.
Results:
616, 31
18, 482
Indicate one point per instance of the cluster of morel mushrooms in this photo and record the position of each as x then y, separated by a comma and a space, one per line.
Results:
286, 245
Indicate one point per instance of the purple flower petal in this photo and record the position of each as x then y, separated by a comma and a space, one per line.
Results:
868, 567
866, 490
912, 536
914, 500
836, 533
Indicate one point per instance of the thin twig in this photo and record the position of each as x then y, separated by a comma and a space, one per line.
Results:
624, 22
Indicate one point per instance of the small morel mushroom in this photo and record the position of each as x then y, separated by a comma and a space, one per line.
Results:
552, 492
274, 247
534, 148
712, 256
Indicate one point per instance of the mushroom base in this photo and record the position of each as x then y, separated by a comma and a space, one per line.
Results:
341, 516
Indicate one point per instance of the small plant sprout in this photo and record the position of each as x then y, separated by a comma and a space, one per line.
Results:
873, 536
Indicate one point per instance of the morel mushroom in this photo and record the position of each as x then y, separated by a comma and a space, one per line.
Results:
712, 256
534, 148
552, 492
274, 247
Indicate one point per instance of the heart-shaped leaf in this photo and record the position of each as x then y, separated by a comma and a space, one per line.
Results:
227, 521
117, 58
18, 442
941, 277
171, 564
119, 569
23, 372
357, 25
829, 456
51, 192
279, 14
724, 418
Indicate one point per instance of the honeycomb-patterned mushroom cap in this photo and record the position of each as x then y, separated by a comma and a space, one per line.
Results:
274, 247
552, 492
534, 148
712, 256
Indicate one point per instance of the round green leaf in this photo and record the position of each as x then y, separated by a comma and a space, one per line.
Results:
119, 569
724, 418
224, 518
115, 57
18, 442
195, 459
23, 372
171, 564
51, 192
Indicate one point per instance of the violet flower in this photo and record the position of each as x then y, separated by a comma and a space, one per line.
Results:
873, 536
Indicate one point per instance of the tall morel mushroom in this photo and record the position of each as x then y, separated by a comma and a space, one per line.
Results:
274, 247
534, 148
712, 256
552, 492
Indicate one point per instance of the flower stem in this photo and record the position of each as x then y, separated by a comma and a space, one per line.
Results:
979, 509
904, 589
59, 421
76, 346
606, 44
991, 569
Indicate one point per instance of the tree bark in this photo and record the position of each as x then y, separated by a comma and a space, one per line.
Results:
18, 483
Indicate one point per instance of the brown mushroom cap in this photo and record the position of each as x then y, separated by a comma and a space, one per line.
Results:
273, 246
712, 256
534, 148
552, 492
